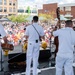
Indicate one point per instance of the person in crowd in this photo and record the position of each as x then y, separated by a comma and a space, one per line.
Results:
33, 48
64, 57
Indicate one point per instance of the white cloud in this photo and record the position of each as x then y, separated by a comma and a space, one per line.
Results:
66, 1
61, 2
69, 1
39, 3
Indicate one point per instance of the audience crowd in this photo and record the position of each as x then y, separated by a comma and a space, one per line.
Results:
15, 32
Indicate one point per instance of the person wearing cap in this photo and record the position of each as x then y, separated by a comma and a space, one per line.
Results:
33, 45
64, 57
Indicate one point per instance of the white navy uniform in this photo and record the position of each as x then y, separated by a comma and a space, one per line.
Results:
33, 47
3, 34
64, 58
74, 53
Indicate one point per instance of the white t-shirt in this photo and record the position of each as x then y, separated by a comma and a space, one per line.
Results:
32, 33
66, 38
2, 31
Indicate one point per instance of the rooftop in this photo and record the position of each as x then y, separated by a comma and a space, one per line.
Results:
65, 5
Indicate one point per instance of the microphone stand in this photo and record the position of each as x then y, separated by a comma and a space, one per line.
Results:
52, 58
50, 51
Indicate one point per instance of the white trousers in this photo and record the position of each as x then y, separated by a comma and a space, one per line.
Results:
74, 55
32, 55
64, 63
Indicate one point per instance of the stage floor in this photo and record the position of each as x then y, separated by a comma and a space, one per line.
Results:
45, 67
46, 70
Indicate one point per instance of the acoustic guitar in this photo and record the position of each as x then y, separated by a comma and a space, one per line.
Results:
6, 46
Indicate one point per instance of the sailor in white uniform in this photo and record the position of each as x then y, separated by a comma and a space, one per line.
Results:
74, 48
33, 45
2, 36
64, 58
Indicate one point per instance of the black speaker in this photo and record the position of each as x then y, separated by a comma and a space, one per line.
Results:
44, 55
20, 57
16, 57
15, 60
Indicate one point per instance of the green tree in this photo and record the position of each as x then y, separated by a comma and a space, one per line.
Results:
47, 16
18, 18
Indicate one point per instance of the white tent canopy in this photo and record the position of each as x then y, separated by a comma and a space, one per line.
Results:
68, 15
29, 18
41, 18
62, 18
4, 19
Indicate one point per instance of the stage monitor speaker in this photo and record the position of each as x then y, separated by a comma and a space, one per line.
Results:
16, 57
18, 60
20, 57
44, 55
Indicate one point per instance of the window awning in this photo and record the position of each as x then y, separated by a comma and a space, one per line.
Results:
68, 15
73, 19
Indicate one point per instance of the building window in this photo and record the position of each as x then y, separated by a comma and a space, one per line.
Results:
0, 2
34, 11
68, 13
0, 9
26, 11
45, 10
67, 8
10, 9
20, 10
5, 9
13, 4
10, 2
61, 8
5, 2
14, 10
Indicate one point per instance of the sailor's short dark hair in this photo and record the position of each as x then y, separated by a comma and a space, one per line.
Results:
35, 18
68, 22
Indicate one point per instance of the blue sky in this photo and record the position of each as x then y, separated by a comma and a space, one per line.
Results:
39, 3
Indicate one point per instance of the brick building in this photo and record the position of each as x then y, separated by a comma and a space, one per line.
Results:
67, 10
48, 8
8, 7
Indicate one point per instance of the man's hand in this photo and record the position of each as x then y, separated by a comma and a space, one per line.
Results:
55, 28
43, 37
26, 37
5, 39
